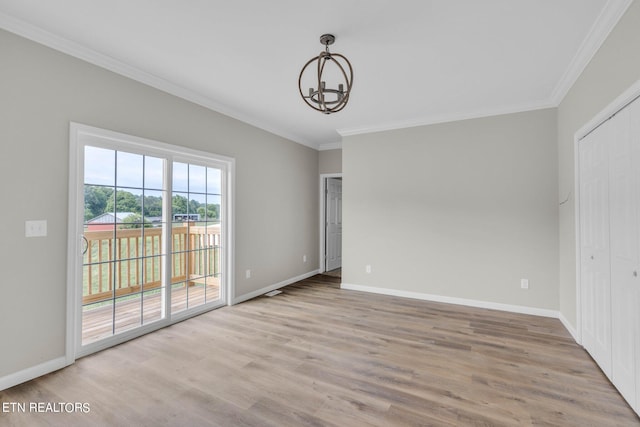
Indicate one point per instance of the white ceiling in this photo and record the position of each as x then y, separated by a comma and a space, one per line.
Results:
415, 61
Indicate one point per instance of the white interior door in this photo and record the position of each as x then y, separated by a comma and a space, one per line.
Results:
634, 296
334, 224
594, 247
633, 291
623, 211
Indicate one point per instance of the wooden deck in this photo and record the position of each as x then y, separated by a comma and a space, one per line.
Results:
316, 355
97, 323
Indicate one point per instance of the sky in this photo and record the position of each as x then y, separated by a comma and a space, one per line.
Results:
109, 167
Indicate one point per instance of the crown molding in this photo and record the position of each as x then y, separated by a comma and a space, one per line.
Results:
86, 54
609, 17
330, 146
447, 118
600, 30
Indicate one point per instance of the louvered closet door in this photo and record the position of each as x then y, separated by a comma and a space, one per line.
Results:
594, 246
623, 213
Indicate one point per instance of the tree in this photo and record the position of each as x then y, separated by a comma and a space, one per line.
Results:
193, 206
135, 221
179, 204
210, 212
95, 200
125, 202
152, 206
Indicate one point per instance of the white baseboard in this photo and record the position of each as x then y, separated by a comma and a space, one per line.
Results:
453, 300
569, 327
273, 287
32, 372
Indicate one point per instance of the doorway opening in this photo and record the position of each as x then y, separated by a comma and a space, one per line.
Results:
331, 224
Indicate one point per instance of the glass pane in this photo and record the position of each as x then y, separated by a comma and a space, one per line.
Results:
97, 240
152, 273
197, 262
195, 294
213, 208
197, 205
178, 297
128, 313
197, 179
153, 172
97, 281
130, 170
99, 166
128, 243
96, 200
214, 258
97, 321
128, 202
180, 176
153, 207
214, 181
128, 276
180, 254
105, 223
152, 306
152, 243
213, 288
179, 207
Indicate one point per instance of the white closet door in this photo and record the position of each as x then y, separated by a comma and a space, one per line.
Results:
623, 213
634, 291
594, 250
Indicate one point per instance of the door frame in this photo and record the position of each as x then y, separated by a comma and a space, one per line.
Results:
626, 98
323, 217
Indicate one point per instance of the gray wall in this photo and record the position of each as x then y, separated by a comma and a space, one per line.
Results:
330, 161
614, 68
41, 90
463, 209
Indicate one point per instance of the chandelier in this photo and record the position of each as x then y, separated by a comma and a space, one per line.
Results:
331, 67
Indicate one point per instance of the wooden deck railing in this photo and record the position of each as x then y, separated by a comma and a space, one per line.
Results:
130, 260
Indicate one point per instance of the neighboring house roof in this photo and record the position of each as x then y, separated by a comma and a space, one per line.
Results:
110, 218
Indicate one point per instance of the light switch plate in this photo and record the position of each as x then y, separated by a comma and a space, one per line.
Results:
35, 228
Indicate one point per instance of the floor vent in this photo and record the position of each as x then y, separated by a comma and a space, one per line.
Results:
273, 293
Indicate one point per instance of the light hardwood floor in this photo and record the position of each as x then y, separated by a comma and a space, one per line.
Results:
320, 356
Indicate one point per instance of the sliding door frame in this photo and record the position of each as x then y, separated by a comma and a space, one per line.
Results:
81, 135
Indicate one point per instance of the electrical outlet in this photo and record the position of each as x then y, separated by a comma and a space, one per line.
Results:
367, 269
304, 258
247, 274
524, 283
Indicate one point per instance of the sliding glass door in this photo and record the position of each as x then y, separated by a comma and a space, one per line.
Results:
195, 208
153, 235
123, 257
